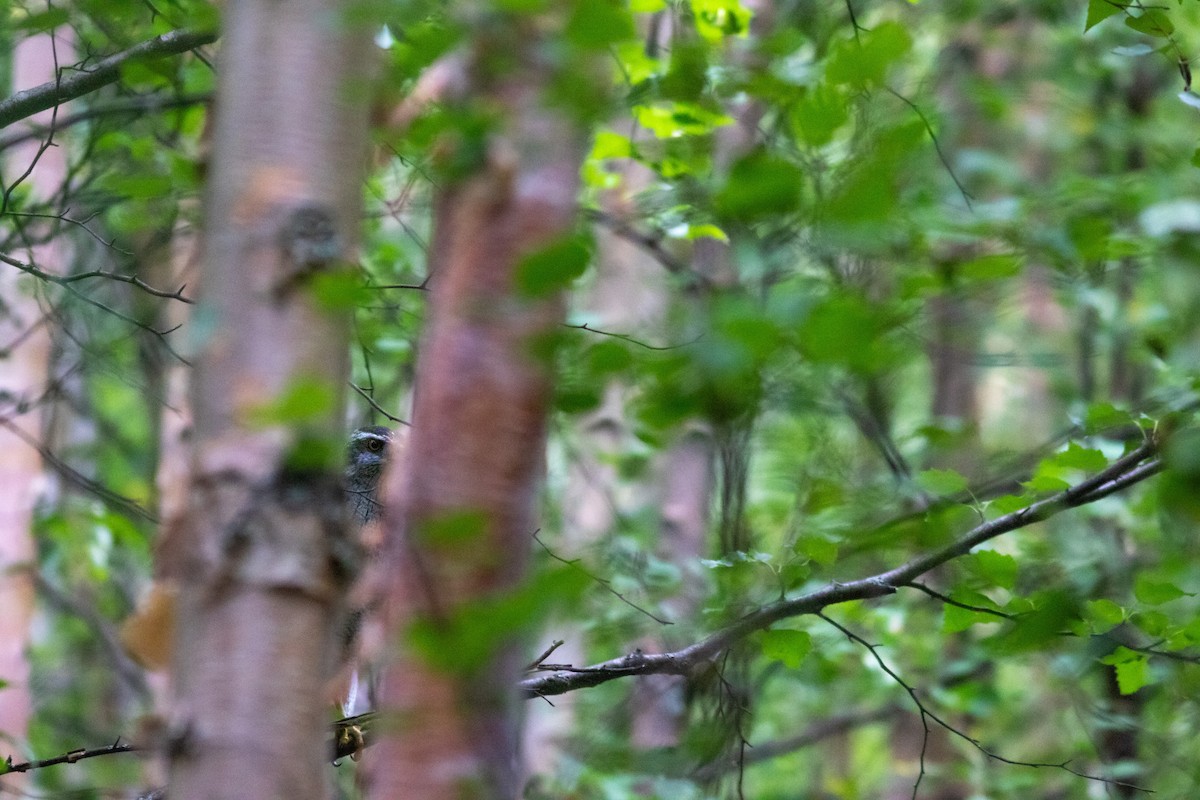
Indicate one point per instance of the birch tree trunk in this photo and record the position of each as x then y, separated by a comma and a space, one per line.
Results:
23, 373
466, 493
263, 557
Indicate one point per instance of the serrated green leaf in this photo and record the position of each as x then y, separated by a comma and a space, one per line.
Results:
787, 646
1152, 592
1132, 675
1105, 416
1120, 655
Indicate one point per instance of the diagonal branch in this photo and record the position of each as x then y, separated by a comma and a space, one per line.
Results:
1138, 465
30, 101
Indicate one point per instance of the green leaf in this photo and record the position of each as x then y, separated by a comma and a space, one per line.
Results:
596, 24
705, 231
1152, 592
865, 60
1009, 503
844, 329
1133, 675
304, 399
1100, 10
787, 646
942, 482
819, 114
39, 22
817, 548
1104, 614
553, 267
610, 145
991, 268
996, 568
759, 184
340, 290
1132, 668
1105, 416
956, 619
1053, 613
716, 19
1152, 22
1076, 457
674, 119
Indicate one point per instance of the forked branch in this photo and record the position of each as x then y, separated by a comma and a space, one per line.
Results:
1134, 467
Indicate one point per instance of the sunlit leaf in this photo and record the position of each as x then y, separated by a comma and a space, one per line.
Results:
787, 646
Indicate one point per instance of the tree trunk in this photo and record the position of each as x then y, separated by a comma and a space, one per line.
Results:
465, 496
263, 556
23, 373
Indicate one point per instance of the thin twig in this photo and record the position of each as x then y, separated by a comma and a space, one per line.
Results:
68, 758
366, 396
574, 562
926, 713
66, 280
626, 338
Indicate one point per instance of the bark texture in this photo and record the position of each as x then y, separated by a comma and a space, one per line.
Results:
466, 493
263, 557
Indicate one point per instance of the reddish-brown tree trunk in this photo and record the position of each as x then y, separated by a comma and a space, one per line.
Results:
263, 555
465, 496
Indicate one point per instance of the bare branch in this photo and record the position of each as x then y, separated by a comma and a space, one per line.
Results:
1122, 473
375, 405
52, 93
626, 338
64, 280
67, 758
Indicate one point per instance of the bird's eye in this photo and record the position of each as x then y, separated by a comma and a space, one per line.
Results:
375, 445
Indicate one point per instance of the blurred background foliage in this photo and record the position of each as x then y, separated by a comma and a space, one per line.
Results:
963, 275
